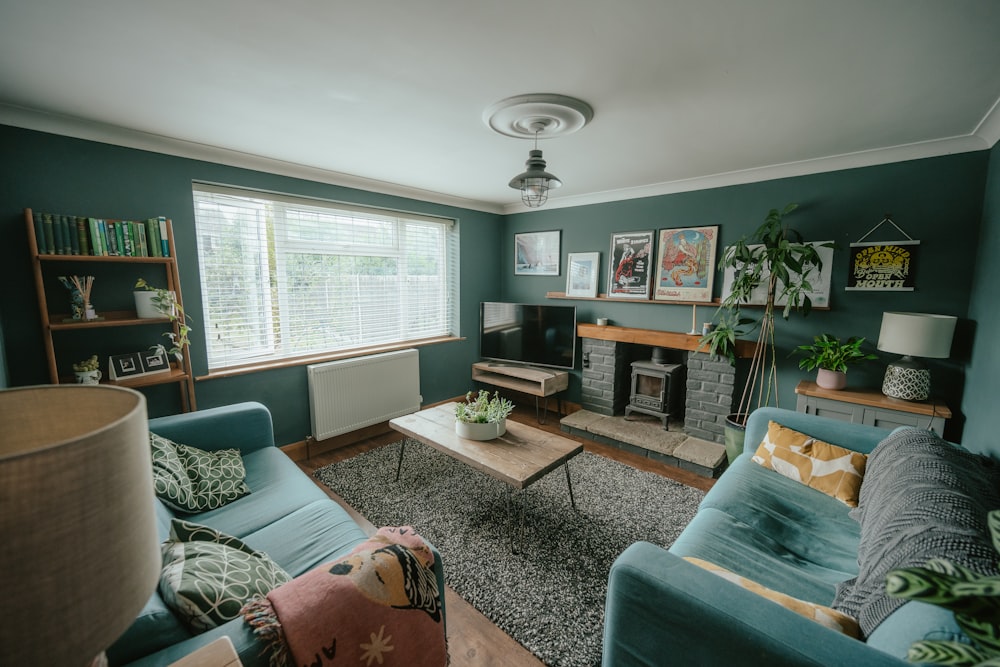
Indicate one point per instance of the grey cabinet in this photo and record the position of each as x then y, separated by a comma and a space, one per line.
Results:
870, 407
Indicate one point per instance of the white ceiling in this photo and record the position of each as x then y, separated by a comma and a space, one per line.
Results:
388, 95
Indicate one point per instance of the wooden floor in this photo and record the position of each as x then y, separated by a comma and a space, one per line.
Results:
473, 640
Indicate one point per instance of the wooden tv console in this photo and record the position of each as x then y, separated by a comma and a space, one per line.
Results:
525, 379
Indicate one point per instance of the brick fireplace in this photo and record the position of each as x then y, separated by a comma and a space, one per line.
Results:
608, 354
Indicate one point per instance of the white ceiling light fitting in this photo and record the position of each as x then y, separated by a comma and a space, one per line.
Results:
538, 116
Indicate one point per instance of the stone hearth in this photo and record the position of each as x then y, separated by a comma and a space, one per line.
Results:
644, 435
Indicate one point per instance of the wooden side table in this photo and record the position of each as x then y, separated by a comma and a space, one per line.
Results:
220, 653
871, 407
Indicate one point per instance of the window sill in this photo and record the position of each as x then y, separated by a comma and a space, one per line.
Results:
320, 358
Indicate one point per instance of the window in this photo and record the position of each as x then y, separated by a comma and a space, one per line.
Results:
285, 277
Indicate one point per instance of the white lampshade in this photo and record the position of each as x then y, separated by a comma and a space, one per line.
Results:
79, 553
917, 334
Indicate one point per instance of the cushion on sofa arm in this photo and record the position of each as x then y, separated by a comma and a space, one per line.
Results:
189, 479
834, 470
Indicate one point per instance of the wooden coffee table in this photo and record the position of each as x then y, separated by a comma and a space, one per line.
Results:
518, 458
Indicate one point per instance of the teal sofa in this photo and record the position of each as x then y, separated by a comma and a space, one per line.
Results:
286, 515
664, 610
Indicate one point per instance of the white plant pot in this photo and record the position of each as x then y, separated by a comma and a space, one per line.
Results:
88, 377
480, 431
144, 306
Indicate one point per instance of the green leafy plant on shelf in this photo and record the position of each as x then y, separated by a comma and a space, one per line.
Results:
482, 409
828, 352
974, 598
165, 303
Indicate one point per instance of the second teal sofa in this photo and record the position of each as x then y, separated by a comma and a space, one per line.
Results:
663, 610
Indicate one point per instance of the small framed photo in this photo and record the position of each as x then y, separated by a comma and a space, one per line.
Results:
125, 365
685, 264
155, 360
581, 274
630, 267
536, 254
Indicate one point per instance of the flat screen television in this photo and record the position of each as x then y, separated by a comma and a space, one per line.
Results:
525, 334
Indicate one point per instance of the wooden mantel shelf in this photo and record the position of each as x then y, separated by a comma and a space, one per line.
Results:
669, 339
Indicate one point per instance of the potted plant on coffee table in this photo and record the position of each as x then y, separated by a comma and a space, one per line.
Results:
482, 417
830, 358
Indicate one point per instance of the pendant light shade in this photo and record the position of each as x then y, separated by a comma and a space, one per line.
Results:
535, 183
537, 116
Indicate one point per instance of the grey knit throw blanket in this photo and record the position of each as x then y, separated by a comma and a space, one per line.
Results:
921, 498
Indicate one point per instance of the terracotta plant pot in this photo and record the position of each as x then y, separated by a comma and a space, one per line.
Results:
835, 380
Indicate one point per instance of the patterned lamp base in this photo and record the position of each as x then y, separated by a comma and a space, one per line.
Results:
907, 383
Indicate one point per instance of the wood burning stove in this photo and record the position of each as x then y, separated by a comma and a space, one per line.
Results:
657, 389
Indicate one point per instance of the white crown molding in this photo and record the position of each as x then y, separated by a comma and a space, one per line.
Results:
989, 126
986, 134
31, 119
936, 148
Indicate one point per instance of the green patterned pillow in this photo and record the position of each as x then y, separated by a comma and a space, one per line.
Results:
193, 480
208, 576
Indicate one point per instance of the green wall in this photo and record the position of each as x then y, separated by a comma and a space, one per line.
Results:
984, 367
937, 200
57, 174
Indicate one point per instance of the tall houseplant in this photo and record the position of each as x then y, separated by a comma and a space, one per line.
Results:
775, 257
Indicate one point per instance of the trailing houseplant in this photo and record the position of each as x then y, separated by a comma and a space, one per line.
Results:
828, 353
973, 597
482, 417
774, 257
165, 303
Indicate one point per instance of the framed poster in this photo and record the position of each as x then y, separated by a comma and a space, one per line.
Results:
820, 281
629, 267
685, 264
536, 254
886, 266
581, 274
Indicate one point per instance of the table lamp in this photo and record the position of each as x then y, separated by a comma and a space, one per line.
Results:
78, 544
913, 335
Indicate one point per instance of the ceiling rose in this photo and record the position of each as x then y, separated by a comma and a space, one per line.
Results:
540, 115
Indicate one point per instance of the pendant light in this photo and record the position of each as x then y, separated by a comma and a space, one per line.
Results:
535, 183
538, 115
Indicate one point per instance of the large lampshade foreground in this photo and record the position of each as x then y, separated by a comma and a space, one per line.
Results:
917, 334
80, 552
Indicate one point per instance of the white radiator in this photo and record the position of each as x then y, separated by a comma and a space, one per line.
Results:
354, 393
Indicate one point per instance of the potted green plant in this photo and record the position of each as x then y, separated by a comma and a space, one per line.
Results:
88, 371
775, 257
157, 302
482, 417
830, 357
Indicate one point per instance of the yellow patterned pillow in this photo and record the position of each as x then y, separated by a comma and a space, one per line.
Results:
825, 616
834, 470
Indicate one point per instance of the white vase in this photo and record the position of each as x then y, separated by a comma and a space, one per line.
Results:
828, 379
472, 431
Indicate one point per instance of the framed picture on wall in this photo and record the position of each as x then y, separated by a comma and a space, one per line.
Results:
536, 254
685, 264
630, 265
819, 279
581, 274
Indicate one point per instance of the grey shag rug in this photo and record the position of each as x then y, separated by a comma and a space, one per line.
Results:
550, 596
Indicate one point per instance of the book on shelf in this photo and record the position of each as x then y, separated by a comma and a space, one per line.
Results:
100, 237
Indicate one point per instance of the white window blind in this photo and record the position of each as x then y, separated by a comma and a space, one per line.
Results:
285, 277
